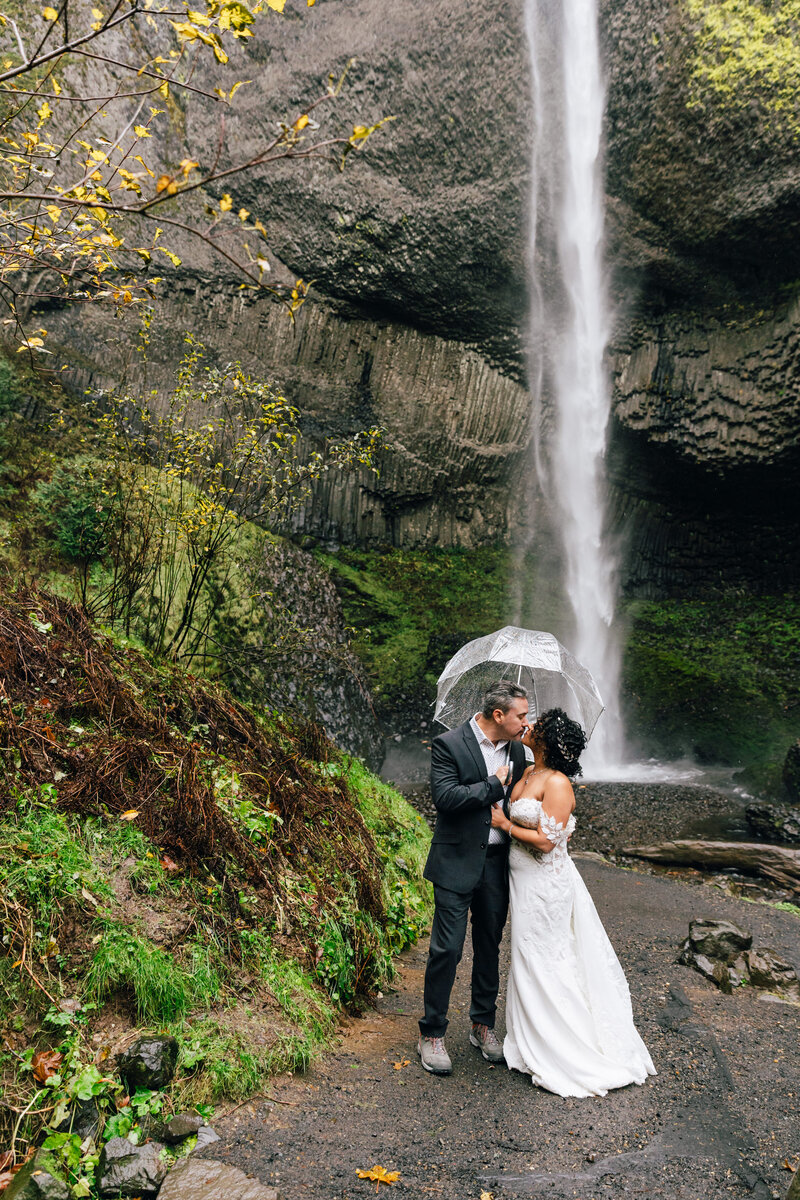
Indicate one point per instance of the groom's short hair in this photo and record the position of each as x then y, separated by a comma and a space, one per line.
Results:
501, 695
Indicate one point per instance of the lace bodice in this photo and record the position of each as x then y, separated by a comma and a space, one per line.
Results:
528, 812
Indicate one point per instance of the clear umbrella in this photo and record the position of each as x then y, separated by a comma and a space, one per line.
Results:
552, 677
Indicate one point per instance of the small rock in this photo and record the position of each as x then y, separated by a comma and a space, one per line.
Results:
769, 971
721, 941
39, 1179
128, 1170
775, 823
206, 1136
208, 1179
181, 1126
149, 1063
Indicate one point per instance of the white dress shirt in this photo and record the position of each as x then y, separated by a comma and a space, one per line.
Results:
495, 754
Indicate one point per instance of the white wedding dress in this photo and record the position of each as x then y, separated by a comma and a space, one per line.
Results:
568, 1009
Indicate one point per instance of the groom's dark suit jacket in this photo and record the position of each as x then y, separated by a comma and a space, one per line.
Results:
463, 796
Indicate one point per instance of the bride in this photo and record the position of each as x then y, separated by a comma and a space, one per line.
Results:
568, 1009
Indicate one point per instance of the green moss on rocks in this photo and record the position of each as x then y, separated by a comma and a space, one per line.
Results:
716, 679
748, 54
410, 610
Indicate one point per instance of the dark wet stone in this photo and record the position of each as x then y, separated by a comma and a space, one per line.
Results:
149, 1063
181, 1126
128, 1170
768, 970
721, 941
40, 1179
207, 1179
775, 823
82, 1118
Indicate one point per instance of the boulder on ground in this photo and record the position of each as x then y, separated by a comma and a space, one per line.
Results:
208, 1179
39, 1179
128, 1170
791, 772
149, 1063
721, 941
768, 970
775, 822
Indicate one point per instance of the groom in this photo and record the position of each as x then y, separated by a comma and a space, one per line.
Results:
473, 768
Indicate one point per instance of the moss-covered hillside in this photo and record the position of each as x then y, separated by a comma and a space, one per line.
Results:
715, 678
174, 861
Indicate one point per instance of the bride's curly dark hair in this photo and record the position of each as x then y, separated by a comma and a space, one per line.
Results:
562, 741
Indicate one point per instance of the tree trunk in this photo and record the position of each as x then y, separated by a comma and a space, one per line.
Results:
780, 863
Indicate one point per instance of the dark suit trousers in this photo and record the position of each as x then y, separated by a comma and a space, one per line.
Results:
488, 903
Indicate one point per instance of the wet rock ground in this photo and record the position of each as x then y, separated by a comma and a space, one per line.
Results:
721, 1119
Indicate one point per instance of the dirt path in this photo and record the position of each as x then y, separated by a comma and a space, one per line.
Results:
718, 1121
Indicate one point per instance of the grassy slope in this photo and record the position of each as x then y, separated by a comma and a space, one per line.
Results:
714, 678
176, 862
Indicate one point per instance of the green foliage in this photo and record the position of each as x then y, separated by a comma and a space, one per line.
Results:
410, 610
716, 679
163, 989
403, 838
46, 866
747, 57
182, 482
230, 1064
76, 506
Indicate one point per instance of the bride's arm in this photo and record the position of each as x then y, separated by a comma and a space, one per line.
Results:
558, 801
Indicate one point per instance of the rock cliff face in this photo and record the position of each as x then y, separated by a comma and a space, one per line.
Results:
418, 252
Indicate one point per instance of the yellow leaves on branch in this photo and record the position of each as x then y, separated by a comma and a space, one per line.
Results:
50, 14
226, 203
173, 258
379, 1175
359, 137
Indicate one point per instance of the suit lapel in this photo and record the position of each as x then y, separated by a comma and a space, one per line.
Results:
471, 742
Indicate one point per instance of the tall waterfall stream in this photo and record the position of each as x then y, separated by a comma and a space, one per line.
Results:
570, 322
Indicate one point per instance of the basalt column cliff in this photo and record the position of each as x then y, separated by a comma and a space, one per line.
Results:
419, 304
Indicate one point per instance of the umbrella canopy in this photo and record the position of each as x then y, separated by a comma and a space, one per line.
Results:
552, 677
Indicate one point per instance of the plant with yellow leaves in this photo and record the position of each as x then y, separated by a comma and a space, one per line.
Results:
177, 480
82, 211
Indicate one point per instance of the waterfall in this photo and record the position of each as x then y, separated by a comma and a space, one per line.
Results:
570, 323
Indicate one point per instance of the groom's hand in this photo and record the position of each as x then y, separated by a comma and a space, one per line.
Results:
502, 773
499, 819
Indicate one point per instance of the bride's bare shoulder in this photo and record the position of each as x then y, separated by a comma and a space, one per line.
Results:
559, 790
